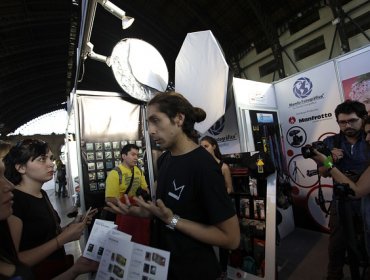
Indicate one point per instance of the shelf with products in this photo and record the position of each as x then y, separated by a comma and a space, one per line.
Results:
251, 212
252, 199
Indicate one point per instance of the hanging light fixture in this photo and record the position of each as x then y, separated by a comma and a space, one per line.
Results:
86, 45
117, 12
93, 55
137, 66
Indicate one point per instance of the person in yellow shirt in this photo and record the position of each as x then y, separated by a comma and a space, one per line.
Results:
127, 178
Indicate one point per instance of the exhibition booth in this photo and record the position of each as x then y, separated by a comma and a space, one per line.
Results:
260, 129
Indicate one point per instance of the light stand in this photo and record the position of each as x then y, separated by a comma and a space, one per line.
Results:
93, 55
87, 46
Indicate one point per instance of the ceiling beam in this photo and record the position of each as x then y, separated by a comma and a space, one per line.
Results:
271, 34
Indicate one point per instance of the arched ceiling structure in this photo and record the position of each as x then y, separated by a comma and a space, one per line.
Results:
39, 40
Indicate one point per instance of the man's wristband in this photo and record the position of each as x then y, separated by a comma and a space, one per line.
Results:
330, 168
173, 222
328, 162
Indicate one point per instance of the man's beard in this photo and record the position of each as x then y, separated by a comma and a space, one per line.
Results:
353, 133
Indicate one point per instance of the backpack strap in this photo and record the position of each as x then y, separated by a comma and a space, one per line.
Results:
132, 179
119, 171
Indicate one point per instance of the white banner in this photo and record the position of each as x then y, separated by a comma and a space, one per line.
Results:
225, 131
306, 103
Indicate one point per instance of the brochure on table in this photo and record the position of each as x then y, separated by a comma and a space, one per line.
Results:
95, 245
123, 259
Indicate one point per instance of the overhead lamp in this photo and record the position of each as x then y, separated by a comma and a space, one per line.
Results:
118, 12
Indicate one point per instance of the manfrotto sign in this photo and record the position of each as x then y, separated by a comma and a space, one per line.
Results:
316, 118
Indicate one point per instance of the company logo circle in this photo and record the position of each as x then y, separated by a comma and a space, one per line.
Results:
217, 128
302, 87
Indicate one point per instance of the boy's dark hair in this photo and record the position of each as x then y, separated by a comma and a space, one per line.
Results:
351, 106
128, 147
171, 103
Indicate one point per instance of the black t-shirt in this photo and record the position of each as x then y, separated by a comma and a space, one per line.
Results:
39, 224
193, 187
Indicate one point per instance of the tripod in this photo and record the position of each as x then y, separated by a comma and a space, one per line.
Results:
296, 170
357, 255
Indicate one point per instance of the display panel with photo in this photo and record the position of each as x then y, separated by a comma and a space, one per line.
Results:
108, 155
101, 186
98, 146
99, 165
93, 187
115, 145
89, 146
139, 143
100, 175
91, 166
109, 165
99, 155
90, 156
92, 176
124, 143
107, 145
117, 155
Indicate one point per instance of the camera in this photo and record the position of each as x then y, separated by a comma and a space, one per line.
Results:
307, 150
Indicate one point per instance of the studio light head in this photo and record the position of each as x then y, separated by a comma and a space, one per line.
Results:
118, 12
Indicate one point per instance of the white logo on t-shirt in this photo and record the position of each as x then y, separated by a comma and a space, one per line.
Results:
177, 191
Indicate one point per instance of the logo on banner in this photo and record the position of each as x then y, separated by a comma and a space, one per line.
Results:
302, 87
292, 120
217, 128
316, 118
296, 136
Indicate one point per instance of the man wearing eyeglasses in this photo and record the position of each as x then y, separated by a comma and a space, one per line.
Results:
350, 155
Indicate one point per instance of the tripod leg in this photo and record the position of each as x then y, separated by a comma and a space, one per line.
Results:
354, 256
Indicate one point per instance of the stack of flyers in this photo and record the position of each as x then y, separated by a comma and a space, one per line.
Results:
95, 244
126, 260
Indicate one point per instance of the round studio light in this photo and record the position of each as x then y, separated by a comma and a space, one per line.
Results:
139, 68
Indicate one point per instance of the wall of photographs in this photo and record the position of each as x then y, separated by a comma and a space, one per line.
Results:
102, 134
102, 157
99, 159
